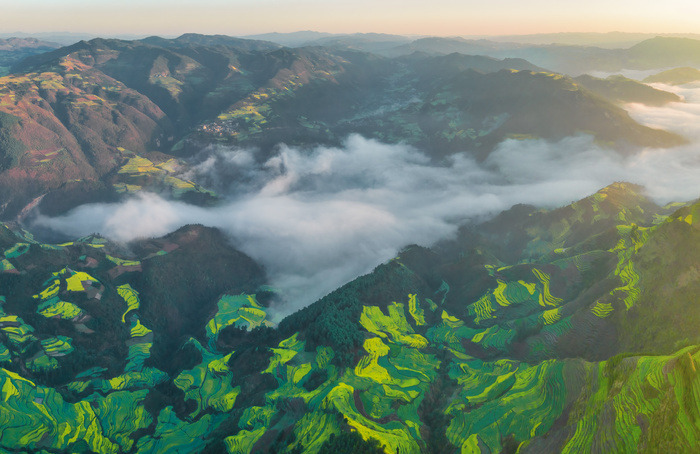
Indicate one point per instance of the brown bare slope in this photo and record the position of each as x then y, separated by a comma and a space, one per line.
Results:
67, 123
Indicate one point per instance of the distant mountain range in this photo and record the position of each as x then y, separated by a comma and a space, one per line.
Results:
658, 52
570, 53
611, 40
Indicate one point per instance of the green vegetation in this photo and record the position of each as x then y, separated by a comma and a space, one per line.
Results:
351, 443
240, 311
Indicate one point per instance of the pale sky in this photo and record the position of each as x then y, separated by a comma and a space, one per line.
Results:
434, 17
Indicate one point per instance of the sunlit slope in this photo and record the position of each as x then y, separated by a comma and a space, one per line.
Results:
578, 336
135, 174
65, 123
223, 87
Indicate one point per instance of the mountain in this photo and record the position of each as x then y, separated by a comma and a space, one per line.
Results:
197, 39
17, 44
676, 76
537, 330
260, 95
65, 38
76, 113
662, 52
542, 331
368, 42
441, 104
658, 52
378, 43
508, 98
457, 62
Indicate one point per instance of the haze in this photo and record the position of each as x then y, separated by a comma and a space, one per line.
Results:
438, 18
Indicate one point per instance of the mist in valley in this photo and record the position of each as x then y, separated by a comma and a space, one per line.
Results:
316, 218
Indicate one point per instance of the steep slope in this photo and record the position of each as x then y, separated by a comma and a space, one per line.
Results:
224, 86
443, 105
176, 76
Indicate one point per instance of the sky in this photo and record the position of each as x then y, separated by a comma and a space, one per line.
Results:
411, 17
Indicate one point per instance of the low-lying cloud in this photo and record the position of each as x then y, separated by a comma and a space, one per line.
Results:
318, 218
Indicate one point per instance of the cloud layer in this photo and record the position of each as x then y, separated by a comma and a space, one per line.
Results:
318, 218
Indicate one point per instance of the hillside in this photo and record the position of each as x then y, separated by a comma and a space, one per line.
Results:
482, 110
68, 123
530, 332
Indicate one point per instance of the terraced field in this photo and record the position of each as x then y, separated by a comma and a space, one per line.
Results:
537, 355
